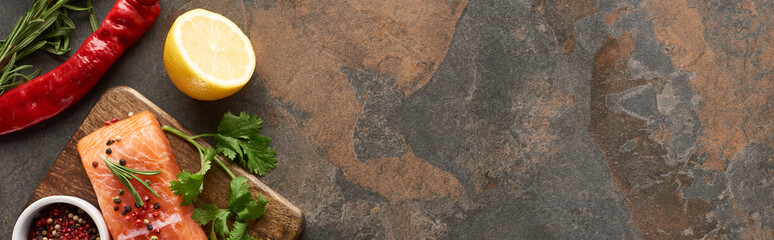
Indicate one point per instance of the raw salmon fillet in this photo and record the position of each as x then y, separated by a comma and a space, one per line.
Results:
144, 147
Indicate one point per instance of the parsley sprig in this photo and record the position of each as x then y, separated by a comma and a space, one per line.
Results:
238, 140
241, 205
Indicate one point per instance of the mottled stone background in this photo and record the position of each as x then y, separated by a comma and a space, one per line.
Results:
480, 119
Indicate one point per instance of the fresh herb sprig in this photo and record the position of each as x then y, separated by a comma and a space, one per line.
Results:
238, 140
45, 26
241, 205
125, 175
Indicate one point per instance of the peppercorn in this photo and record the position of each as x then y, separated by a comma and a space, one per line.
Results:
108, 151
154, 237
122, 162
118, 138
115, 208
120, 192
150, 227
156, 206
145, 221
109, 142
146, 198
147, 181
116, 200
94, 164
69, 225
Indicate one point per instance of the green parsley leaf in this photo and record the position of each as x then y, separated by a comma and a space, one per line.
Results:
238, 194
210, 213
241, 202
238, 140
260, 157
228, 146
188, 186
244, 126
209, 155
239, 232
253, 210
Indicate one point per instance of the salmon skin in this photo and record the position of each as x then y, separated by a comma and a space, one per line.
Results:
144, 146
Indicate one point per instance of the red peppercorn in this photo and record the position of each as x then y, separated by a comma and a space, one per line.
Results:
155, 214
138, 222
157, 230
114, 120
146, 198
107, 123
127, 218
94, 164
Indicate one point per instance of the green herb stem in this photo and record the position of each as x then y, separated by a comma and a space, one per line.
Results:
198, 146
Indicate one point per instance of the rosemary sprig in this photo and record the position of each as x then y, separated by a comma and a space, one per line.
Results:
46, 26
125, 175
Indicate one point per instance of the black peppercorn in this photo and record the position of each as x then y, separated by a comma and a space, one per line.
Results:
150, 227
122, 162
156, 206
109, 142
108, 151
115, 208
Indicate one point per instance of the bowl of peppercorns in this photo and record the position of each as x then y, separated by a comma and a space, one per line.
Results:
60, 217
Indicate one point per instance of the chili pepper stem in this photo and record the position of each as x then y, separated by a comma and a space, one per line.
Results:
198, 146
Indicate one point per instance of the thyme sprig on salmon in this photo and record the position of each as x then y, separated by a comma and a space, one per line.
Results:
238, 140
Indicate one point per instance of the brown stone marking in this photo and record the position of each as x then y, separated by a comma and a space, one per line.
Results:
730, 115
652, 186
544, 103
561, 15
300, 48
618, 13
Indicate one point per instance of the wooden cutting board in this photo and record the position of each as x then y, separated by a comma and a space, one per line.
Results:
282, 220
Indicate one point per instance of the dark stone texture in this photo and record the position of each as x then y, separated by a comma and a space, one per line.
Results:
480, 119
374, 135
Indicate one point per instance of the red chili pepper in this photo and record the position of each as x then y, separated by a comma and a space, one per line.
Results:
47, 95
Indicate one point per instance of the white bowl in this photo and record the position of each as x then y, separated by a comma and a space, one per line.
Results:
22, 227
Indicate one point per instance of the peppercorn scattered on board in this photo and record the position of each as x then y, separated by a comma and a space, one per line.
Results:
283, 220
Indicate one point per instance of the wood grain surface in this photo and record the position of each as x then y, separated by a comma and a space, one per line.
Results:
283, 220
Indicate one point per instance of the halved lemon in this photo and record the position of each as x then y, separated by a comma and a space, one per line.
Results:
207, 56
